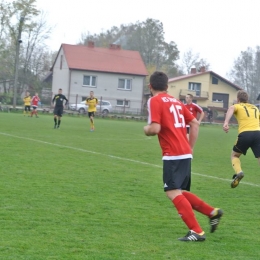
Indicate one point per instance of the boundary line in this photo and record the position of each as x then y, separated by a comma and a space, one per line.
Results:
117, 157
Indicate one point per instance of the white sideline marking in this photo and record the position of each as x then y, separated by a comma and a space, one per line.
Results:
119, 158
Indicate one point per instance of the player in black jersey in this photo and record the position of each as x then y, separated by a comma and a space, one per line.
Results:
58, 102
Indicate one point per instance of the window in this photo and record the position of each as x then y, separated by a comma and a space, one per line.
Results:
195, 87
214, 81
217, 97
125, 84
89, 81
123, 103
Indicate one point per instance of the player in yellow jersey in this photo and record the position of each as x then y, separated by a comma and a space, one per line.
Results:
248, 119
92, 103
27, 103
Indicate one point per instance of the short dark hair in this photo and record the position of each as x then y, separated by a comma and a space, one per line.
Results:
191, 96
242, 96
60, 88
159, 81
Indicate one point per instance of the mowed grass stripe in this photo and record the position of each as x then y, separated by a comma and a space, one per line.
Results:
117, 157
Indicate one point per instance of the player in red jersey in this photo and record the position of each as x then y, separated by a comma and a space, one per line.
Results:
168, 118
194, 110
35, 100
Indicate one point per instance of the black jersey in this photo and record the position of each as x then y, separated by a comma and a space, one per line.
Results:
58, 99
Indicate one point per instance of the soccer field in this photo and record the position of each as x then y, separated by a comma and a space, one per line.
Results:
70, 193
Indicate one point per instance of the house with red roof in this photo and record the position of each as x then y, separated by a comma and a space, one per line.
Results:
112, 73
207, 87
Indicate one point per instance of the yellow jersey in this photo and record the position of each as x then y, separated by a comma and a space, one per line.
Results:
247, 116
27, 100
92, 102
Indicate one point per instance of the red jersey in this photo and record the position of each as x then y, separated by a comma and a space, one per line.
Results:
35, 101
173, 116
194, 109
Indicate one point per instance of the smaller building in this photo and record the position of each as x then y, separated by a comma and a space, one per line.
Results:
113, 74
208, 88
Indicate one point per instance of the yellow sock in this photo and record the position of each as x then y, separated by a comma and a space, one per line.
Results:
236, 164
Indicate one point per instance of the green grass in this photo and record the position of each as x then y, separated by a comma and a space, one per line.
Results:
75, 194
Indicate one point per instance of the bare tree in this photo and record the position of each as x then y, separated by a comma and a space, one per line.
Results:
246, 72
191, 60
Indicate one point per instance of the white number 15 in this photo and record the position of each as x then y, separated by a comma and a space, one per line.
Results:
178, 116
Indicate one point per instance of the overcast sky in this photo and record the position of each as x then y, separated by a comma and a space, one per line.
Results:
216, 29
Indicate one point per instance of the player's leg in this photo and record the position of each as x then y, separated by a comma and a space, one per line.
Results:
90, 120
241, 147
93, 126
55, 117
29, 110
176, 175
236, 164
60, 112
33, 111
201, 206
25, 110
36, 112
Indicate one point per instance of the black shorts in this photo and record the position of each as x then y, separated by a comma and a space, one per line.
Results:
177, 174
27, 108
34, 107
58, 111
246, 140
188, 129
91, 114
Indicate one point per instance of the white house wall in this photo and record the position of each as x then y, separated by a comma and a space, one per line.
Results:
60, 75
107, 88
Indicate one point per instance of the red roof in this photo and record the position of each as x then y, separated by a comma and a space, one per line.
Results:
81, 57
202, 73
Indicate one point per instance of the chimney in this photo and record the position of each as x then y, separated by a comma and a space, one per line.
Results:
113, 46
193, 71
203, 69
91, 44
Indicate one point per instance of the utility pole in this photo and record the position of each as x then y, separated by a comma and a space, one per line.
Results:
18, 42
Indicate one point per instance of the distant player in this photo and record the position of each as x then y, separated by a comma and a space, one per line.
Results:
248, 119
58, 102
27, 103
35, 100
194, 110
92, 103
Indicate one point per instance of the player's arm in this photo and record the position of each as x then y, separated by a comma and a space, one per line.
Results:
152, 129
66, 100
194, 132
229, 114
54, 100
202, 114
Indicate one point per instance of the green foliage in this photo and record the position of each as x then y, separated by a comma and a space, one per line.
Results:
75, 194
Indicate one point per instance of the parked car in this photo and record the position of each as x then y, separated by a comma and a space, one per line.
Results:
81, 107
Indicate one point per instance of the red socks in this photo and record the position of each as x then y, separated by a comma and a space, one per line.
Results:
185, 211
198, 204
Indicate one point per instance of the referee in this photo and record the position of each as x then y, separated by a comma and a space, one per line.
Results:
58, 102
